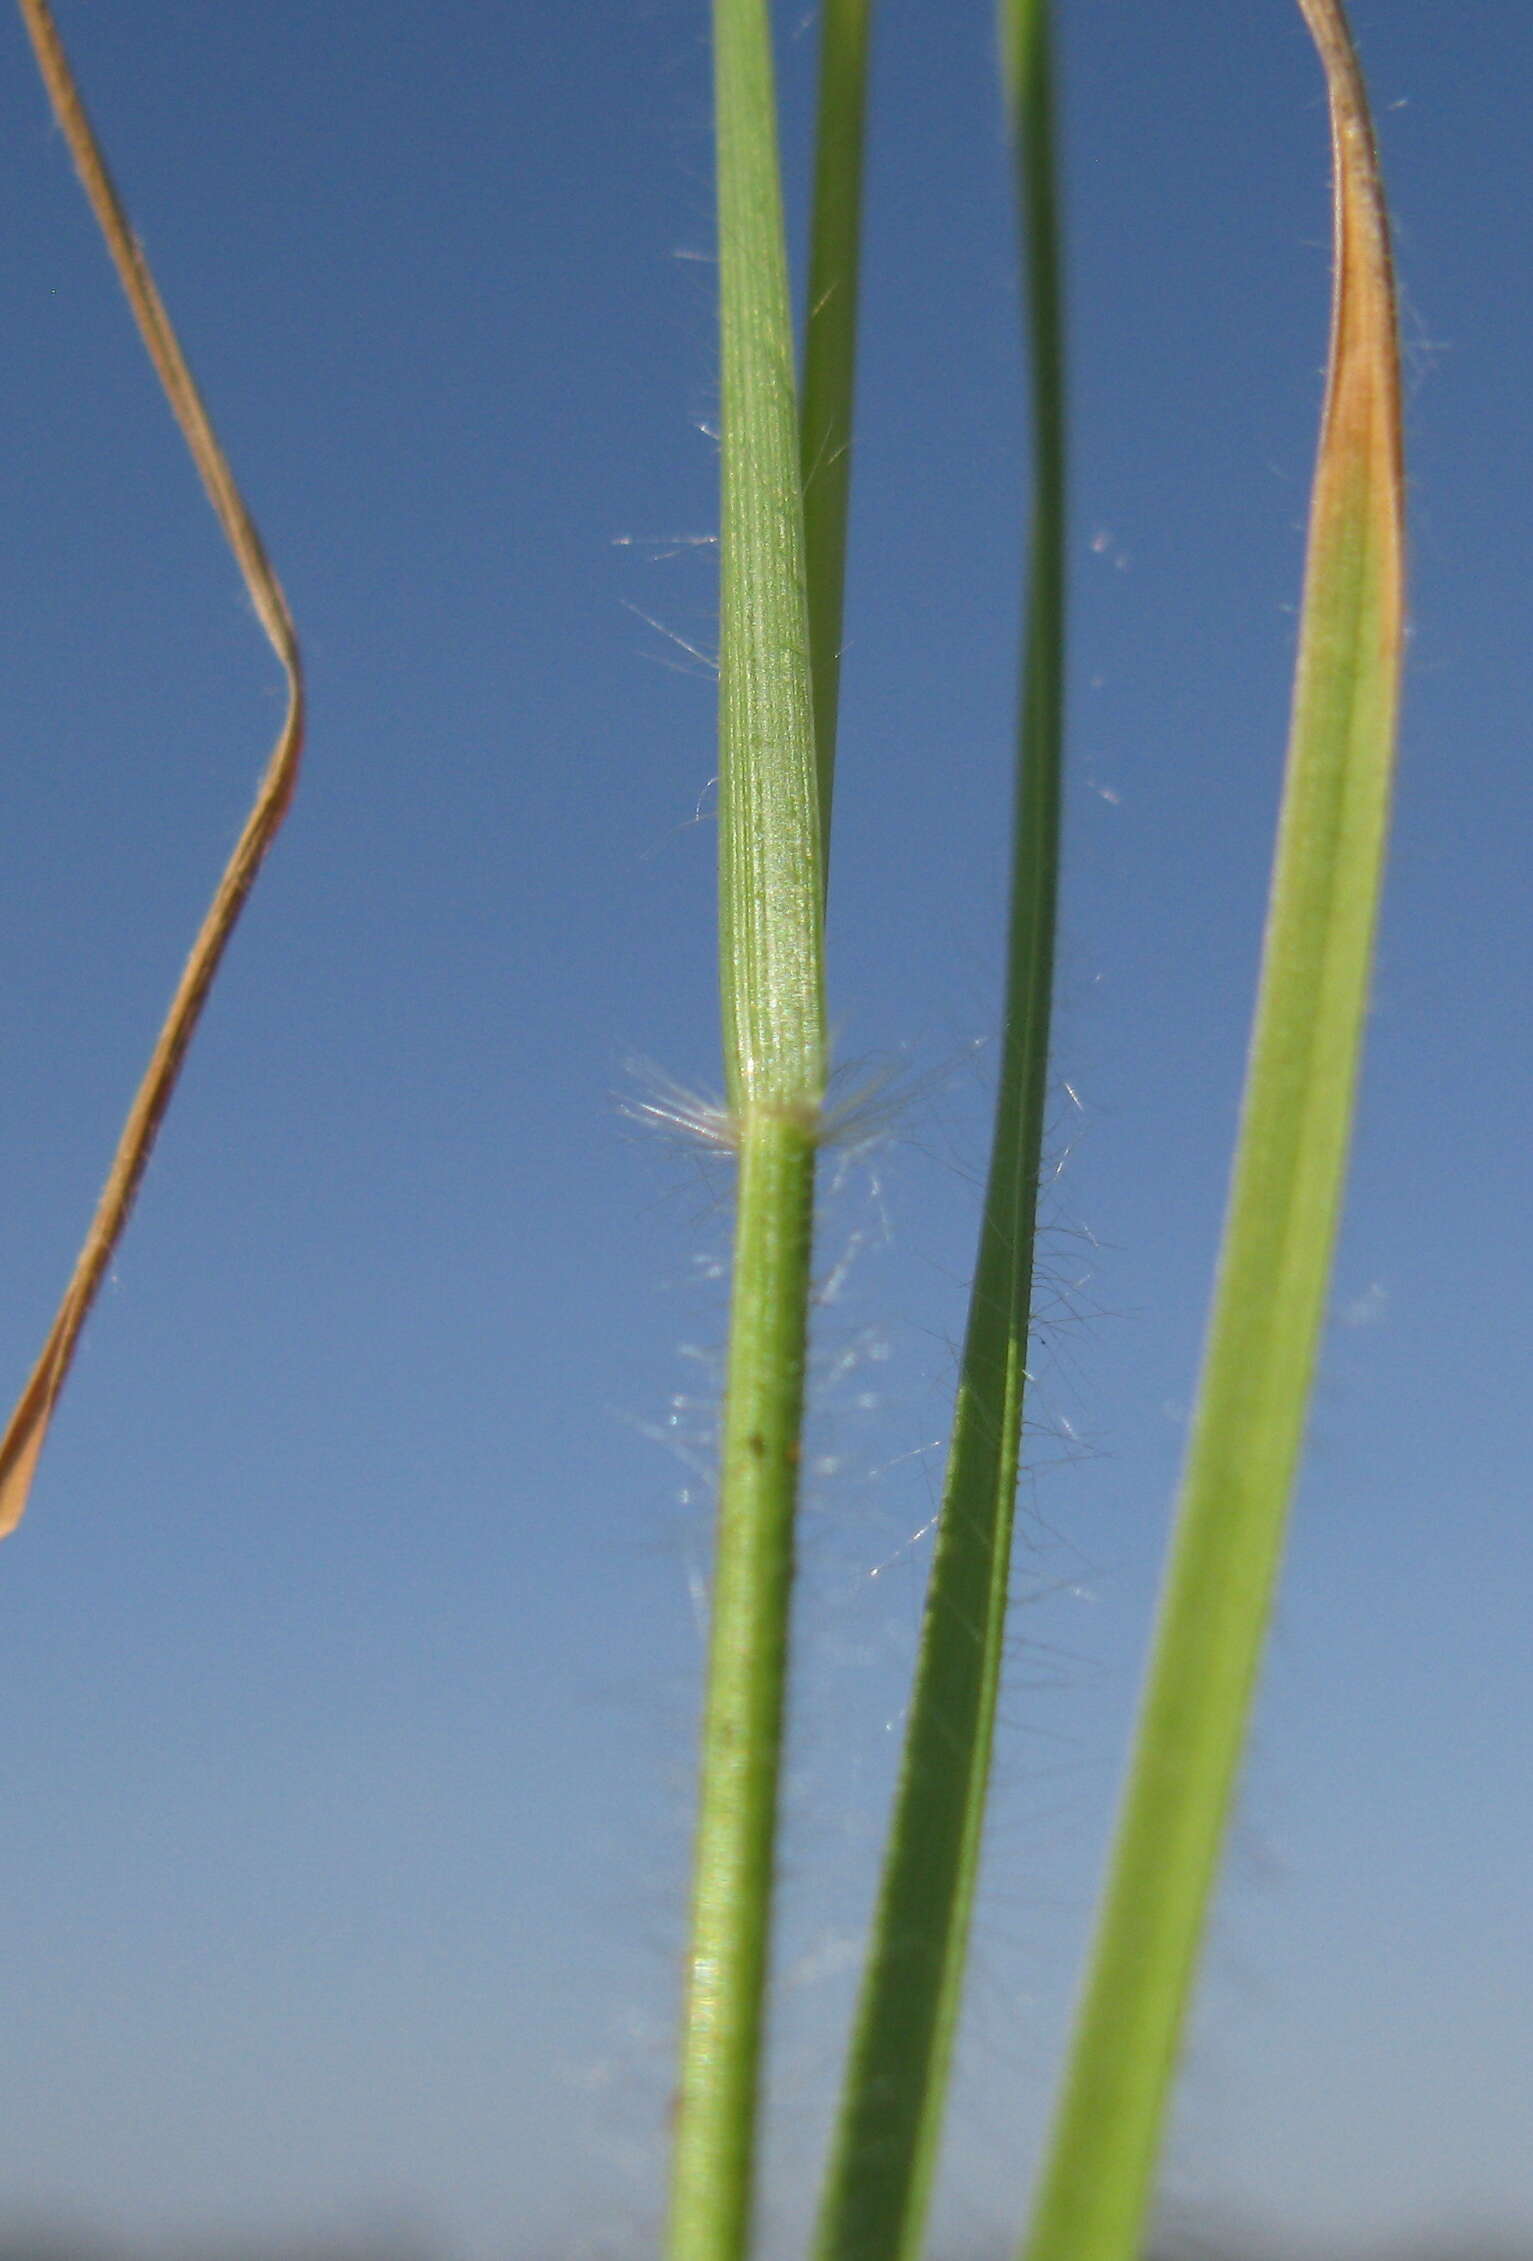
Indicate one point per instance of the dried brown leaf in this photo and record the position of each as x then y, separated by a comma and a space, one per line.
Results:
28, 1427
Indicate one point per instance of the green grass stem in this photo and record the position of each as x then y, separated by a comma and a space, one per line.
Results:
771, 887
1274, 1267
884, 2154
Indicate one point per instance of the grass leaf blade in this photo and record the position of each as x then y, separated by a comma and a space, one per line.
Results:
883, 2160
1275, 1262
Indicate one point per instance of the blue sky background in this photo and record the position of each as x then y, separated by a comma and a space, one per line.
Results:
351, 1648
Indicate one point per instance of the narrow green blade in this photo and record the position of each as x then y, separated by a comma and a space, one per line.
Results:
1275, 1263
884, 2155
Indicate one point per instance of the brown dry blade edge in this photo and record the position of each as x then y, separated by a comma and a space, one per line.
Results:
1364, 319
28, 1427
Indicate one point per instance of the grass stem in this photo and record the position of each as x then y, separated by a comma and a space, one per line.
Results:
771, 889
